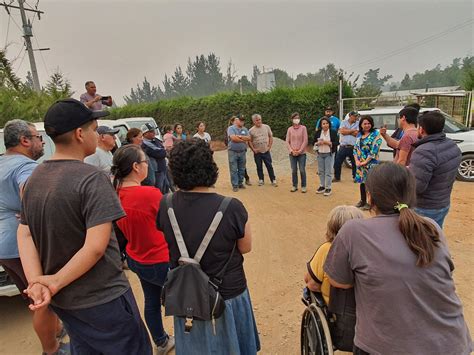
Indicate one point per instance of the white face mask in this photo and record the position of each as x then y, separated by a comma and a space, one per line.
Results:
296, 121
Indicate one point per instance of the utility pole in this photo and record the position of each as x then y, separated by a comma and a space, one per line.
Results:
341, 103
27, 34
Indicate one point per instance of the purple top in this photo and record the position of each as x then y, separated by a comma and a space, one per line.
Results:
96, 106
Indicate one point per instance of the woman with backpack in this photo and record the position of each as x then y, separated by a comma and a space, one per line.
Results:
146, 250
401, 268
193, 208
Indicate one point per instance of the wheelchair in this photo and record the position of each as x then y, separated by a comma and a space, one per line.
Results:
323, 331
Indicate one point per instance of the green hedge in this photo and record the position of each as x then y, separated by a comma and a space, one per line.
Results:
275, 108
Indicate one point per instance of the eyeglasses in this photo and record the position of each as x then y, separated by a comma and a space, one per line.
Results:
39, 136
142, 161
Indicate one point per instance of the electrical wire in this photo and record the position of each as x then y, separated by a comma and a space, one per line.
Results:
6, 37
413, 45
42, 57
21, 62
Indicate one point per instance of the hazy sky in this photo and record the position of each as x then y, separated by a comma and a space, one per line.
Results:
117, 43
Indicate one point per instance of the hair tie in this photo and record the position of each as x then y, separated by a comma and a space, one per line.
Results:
400, 206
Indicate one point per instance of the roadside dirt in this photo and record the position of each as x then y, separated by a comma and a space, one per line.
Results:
287, 228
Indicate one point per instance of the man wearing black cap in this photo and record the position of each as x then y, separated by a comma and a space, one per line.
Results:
155, 150
64, 239
102, 158
335, 123
348, 132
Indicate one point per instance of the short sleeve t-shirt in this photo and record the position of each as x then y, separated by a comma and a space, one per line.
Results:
316, 271
146, 244
101, 159
96, 106
236, 131
194, 213
15, 169
206, 137
409, 137
395, 299
62, 199
260, 137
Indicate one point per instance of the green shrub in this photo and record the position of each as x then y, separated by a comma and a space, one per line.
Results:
275, 107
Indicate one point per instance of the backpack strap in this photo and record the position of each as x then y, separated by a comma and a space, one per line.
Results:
212, 228
174, 224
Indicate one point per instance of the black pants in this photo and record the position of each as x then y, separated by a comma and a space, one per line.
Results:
363, 196
341, 155
266, 158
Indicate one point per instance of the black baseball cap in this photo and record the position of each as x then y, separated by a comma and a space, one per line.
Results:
328, 108
66, 115
354, 113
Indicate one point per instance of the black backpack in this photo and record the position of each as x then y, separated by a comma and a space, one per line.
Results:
188, 291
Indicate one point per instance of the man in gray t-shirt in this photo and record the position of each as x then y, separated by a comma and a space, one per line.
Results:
65, 243
102, 158
261, 140
237, 148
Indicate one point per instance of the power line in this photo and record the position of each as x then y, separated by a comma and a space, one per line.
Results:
42, 57
414, 44
21, 62
8, 31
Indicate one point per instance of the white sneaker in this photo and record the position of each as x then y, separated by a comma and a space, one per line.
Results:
303, 190
260, 182
274, 183
166, 347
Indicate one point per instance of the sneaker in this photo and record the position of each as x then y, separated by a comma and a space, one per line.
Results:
303, 189
360, 204
248, 183
260, 182
274, 183
242, 186
166, 347
336, 180
235, 189
365, 207
320, 190
293, 189
327, 192
64, 349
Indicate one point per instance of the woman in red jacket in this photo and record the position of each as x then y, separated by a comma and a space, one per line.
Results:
147, 250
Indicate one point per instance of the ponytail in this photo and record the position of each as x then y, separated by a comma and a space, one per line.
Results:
421, 236
123, 161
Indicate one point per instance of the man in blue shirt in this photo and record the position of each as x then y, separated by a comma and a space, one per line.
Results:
348, 132
335, 122
237, 148
24, 145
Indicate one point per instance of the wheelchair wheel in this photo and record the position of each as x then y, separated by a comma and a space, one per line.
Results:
315, 335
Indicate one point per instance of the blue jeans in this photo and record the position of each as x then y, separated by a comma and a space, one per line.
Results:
237, 161
437, 215
341, 155
298, 162
152, 277
267, 159
325, 164
114, 327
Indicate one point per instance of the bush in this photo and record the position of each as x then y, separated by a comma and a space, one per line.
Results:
275, 107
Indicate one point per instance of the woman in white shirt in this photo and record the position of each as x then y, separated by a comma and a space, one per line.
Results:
325, 144
201, 133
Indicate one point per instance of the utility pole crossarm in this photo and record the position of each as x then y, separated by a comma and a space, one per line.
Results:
18, 7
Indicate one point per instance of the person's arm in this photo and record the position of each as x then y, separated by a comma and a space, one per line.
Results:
288, 141
339, 285
402, 157
245, 244
90, 103
270, 140
96, 242
391, 142
155, 152
305, 141
345, 131
251, 146
374, 150
311, 284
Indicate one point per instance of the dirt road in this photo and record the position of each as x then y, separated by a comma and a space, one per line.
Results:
287, 228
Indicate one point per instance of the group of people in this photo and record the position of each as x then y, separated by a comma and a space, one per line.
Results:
57, 222
62, 253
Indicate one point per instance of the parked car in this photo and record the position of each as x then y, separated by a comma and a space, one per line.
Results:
7, 287
462, 135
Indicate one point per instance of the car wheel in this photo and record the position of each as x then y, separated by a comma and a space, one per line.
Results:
348, 163
466, 168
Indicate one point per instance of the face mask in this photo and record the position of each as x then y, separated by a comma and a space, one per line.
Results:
296, 121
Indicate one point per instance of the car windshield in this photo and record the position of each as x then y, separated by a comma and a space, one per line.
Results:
139, 124
452, 126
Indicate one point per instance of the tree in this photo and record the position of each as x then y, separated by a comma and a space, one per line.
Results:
8, 79
230, 76
179, 83
282, 79
372, 84
246, 85
468, 73
58, 86
255, 73
145, 93
168, 88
